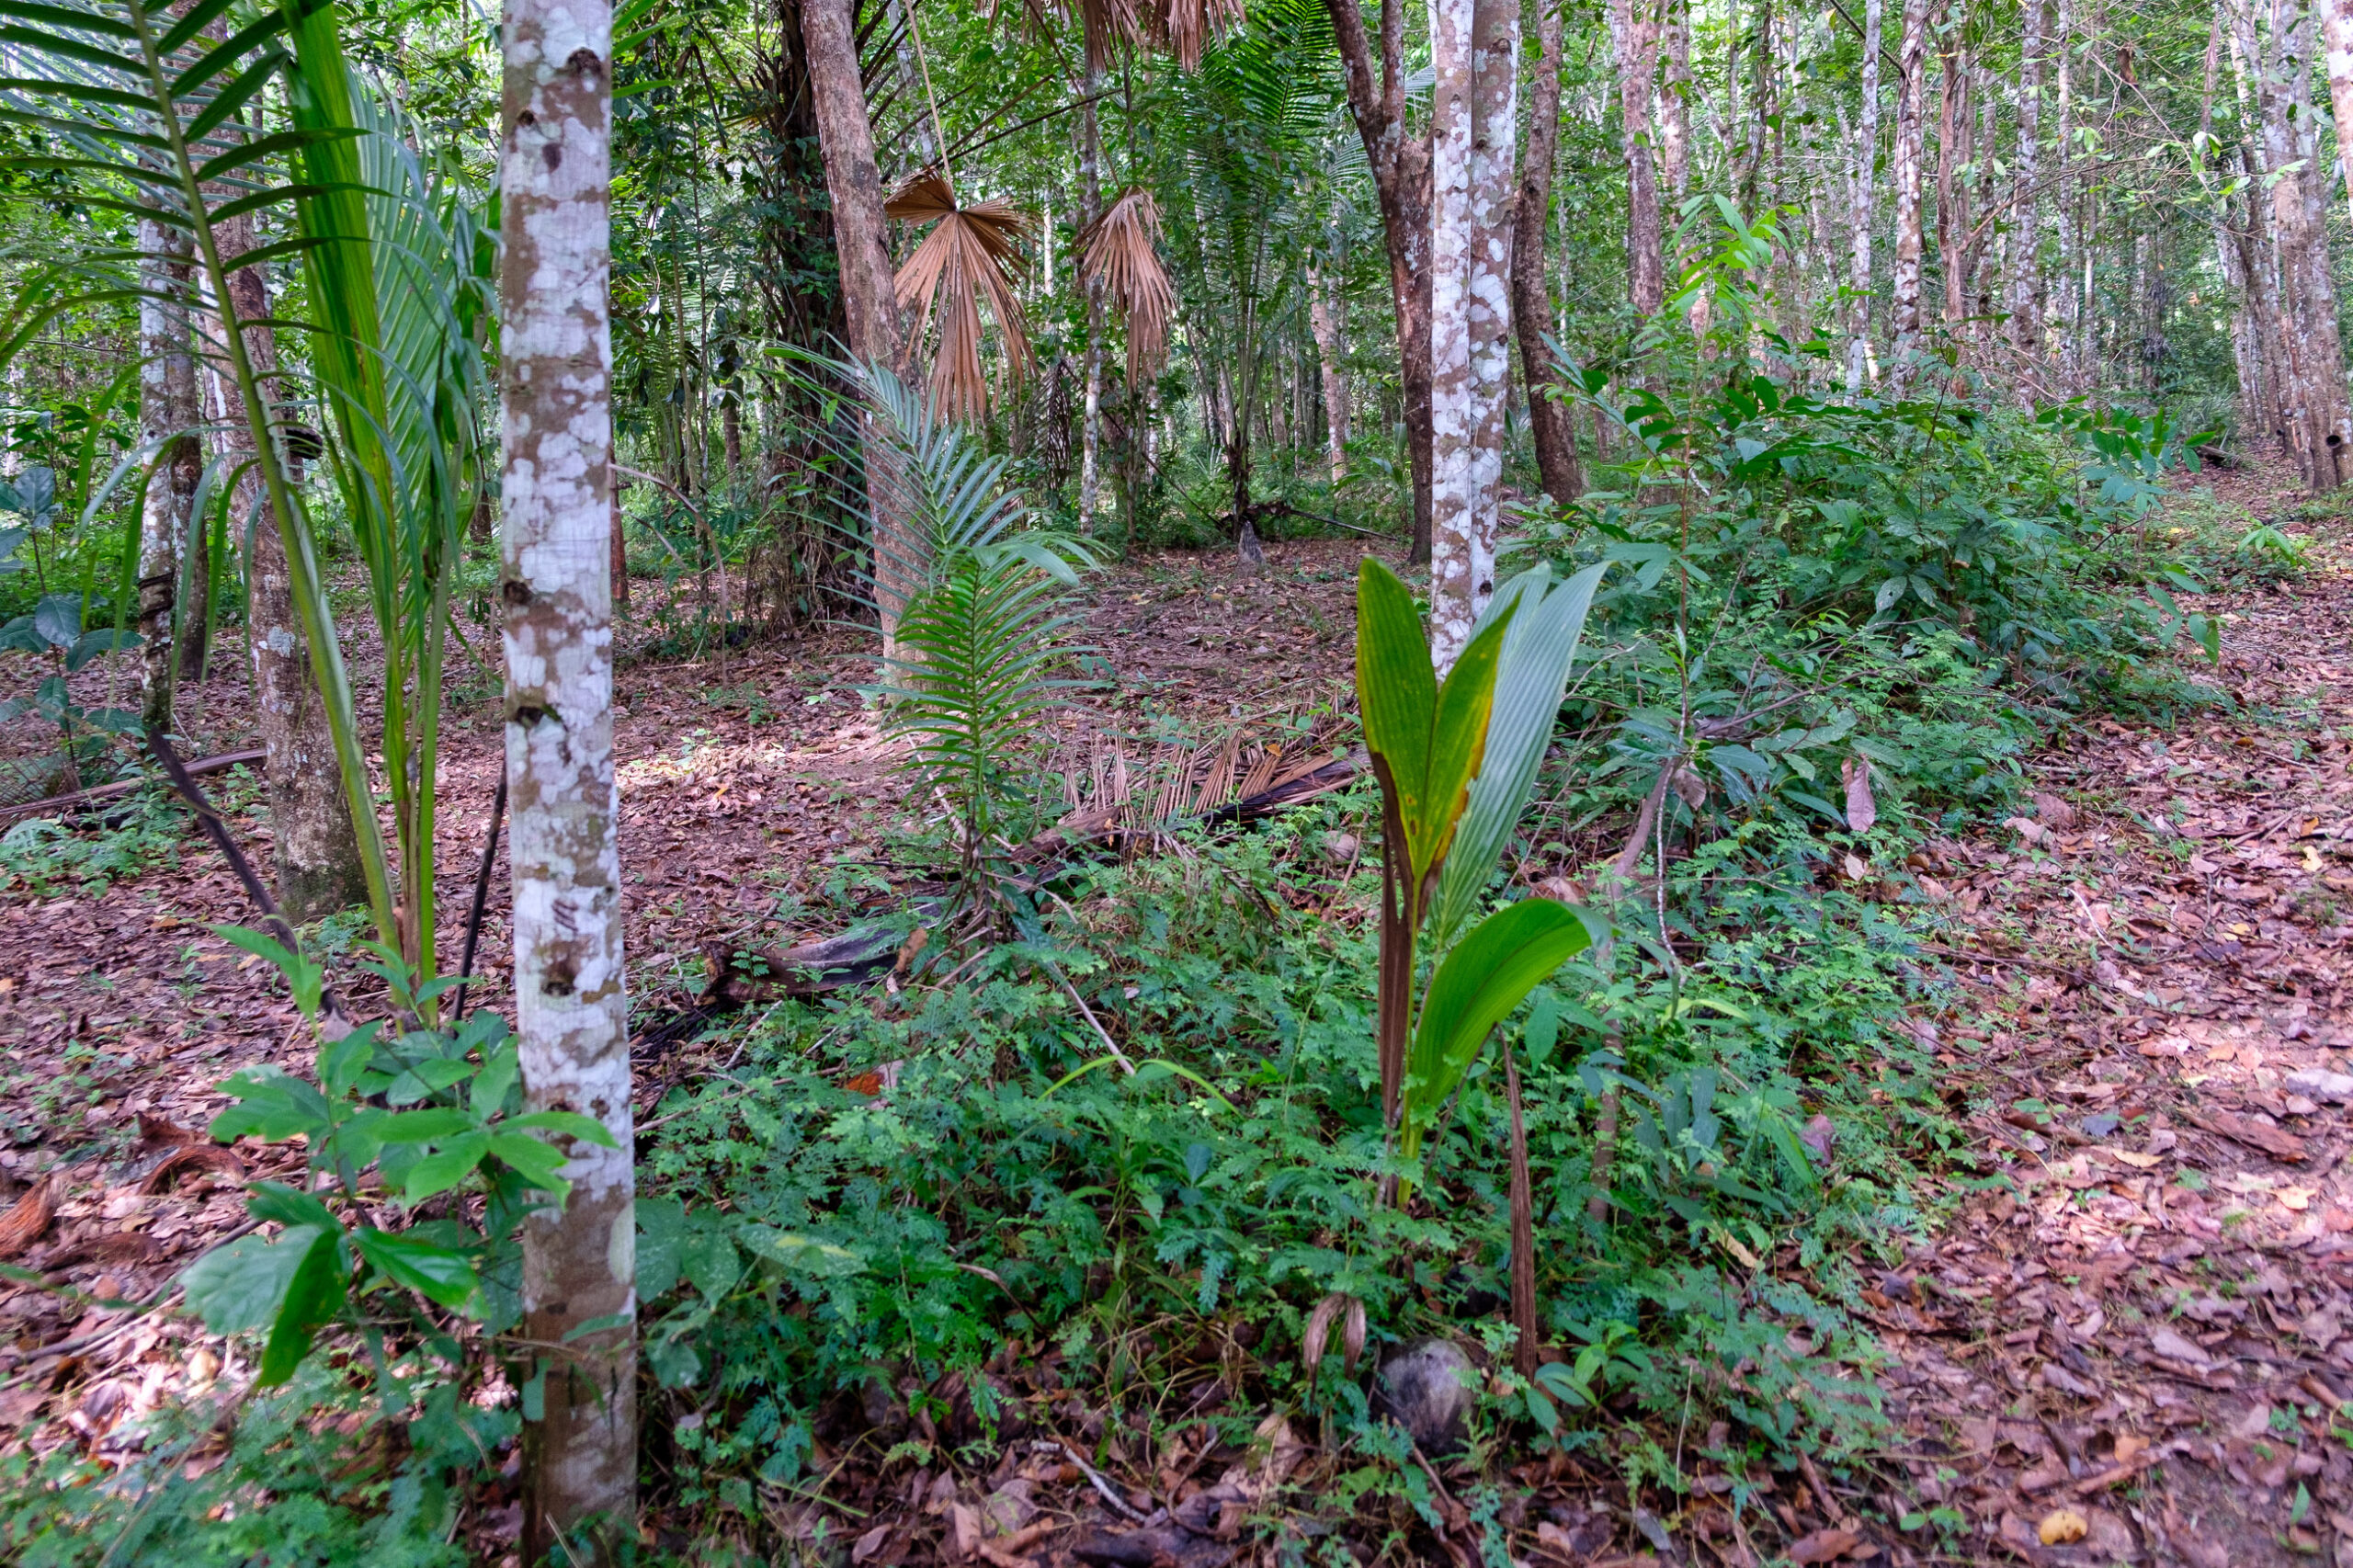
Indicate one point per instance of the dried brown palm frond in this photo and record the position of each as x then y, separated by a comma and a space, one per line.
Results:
1120, 251
1186, 25
961, 262
1143, 801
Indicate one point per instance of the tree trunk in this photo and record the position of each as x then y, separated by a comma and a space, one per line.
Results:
1090, 207
2336, 27
2026, 219
1634, 27
869, 297
1675, 104
167, 403
1401, 178
1911, 117
1474, 47
2059, 324
1858, 275
311, 841
1952, 120
1324, 320
2299, 221
563, 854
1548, 417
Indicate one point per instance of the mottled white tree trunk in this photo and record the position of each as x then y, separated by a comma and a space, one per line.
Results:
1634, 33
579, 1262
1911, 131
167, 404
1090, 207
1474, 50
1858, 271
1323, 319
2059, 323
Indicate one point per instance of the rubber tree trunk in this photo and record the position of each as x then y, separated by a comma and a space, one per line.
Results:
2312, 361
870, 299
2059, 320
563, 856
1532, 305
1675, 104
1324, 320
311, 842
2337, 30
1400, 179
1952, 120
1859, 269
1911, 128
1635, 30
167, 404
2025, 245
1474, 49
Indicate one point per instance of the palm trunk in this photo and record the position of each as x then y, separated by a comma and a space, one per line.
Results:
1911, 115
571, 1012
869, 297
1401, 178
1858, 275
1548, 417
316, 853
167, 404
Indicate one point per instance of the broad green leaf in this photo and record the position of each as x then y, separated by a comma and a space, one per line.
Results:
1396, 688
431, 1125
540, 1164
661, 1229
57, 619
428, 1077
501, 1066
446, 1167
1484, 978
282, 1205
798, 1254
313, 1298
272, 1105
1533, 672
94, 644
304, 977
706, 1257
564, 1123
435, 1272
1458, 740
241, 1286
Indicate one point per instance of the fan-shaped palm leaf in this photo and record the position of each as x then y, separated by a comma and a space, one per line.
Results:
961, 262
1120, 250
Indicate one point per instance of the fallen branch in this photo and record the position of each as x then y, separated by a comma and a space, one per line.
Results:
78, 798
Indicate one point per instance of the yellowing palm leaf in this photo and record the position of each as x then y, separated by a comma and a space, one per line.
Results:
961, 262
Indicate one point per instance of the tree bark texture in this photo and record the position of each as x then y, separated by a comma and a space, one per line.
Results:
870, 295
1474, 47
2025, 218
1674, 103
1911, 126
1090, 200
2336, 30
579, 1262
1548, 417
1634, 27
2059, 320
1401, 178
167, 405
311, 842
1858, 275
1323, 321
2318, 422
1952, 120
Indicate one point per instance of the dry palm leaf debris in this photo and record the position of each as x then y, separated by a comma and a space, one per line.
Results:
961, 262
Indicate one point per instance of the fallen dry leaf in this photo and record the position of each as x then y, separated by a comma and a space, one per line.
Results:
28, 1221
2298, 1199
1823, 1546
2171, 1344
2137, 1160
2063, 1526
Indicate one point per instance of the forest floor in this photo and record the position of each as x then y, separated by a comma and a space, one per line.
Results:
2148, 1328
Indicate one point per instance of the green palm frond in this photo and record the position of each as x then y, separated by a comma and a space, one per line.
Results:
160, 117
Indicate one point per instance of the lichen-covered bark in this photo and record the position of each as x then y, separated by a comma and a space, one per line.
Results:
1911, 131
311, 841
1474, 52
570, 1015
2336, 31
167, 405
1324, 320
1859, 273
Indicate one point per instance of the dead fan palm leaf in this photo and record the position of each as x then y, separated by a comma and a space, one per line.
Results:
961, 262
1120, 251
1186, 25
